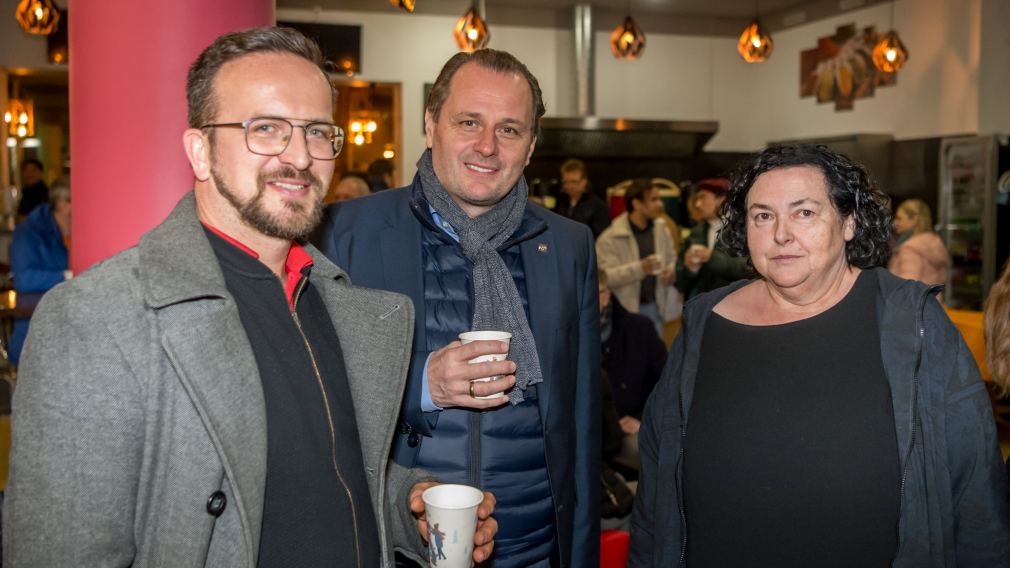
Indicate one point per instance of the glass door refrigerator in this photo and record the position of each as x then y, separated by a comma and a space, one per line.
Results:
973, 215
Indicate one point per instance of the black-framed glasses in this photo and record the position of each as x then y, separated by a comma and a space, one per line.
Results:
269, 136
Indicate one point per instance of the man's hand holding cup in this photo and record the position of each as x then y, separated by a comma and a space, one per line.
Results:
462, 373
652, 265
696, 256
445, 510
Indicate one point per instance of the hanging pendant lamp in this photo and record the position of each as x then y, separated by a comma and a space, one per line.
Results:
19, 118
471, 32
407, 5
755, 43
890, 55
627, 41
37, 16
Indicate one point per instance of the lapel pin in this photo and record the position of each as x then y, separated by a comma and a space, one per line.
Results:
542, 247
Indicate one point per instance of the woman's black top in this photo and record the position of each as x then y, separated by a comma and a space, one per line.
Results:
790, 452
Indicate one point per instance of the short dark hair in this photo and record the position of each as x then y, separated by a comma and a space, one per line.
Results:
380, 167
636, 190
32, 162
850, 188
231, 46
718, 187
574, 165
491, 59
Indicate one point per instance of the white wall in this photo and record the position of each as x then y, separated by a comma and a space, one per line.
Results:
936, 92
994, 68
677, 78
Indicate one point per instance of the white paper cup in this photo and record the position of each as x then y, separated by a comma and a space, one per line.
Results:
451, 512
659, 265
504, 336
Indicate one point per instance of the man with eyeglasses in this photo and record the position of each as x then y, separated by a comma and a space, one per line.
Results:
221, 395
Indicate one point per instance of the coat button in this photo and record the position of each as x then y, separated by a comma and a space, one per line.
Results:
413, 440
216, 503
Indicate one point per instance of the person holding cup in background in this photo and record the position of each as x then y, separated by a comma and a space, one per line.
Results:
704, 264
463, 242
638, 256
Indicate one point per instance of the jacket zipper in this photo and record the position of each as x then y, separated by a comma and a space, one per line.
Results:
680, 466
475, 448
680, 485
329, 419
914, 426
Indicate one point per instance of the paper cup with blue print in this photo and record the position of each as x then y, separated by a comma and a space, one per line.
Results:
451, 512
503, 336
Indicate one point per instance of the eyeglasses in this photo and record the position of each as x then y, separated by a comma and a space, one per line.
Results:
269, 136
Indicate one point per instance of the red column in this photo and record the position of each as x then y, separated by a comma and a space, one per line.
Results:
128, 64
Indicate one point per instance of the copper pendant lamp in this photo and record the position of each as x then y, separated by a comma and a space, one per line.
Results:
37, 16
627, 41
471, 32
407, 5
889, 54
755, 43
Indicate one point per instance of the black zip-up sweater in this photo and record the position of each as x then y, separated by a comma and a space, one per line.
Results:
316, 507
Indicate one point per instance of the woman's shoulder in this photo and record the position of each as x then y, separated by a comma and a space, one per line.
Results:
739, 304
924, 243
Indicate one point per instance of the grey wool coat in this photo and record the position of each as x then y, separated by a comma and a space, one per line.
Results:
139, 398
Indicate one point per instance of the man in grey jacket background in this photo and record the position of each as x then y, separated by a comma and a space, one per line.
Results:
220, 395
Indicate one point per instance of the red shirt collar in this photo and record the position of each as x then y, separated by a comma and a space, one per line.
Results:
298, 259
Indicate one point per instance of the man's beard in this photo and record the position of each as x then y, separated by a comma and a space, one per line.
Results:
255, 214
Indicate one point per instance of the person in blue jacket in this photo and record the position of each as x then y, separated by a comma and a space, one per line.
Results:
826, 413
463, 242
39, 258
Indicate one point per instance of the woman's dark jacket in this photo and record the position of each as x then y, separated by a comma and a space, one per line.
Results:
954, 504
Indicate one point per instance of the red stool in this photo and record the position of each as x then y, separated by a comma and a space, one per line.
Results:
614, 549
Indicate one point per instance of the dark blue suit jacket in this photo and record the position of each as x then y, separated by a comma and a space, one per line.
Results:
377, 240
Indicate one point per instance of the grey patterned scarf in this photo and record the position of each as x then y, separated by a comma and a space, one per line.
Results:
497, 305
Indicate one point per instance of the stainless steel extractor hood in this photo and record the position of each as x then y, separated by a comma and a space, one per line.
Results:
593, 137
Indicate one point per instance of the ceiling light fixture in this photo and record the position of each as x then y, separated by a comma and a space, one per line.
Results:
362, 128
627, 41
37, 16
407, 5
755, 43
471, 32
19, 118
890, 55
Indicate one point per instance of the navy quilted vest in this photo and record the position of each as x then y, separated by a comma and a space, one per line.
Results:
500, 450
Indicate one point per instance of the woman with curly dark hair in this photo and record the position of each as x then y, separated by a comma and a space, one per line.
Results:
836, 416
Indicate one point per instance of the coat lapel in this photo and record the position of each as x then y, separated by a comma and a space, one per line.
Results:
205, 342
400, 253
542, 264
374, 330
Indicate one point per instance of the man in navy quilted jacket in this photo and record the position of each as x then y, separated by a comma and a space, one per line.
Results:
463, 242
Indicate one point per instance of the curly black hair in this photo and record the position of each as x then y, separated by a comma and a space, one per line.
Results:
851, 189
